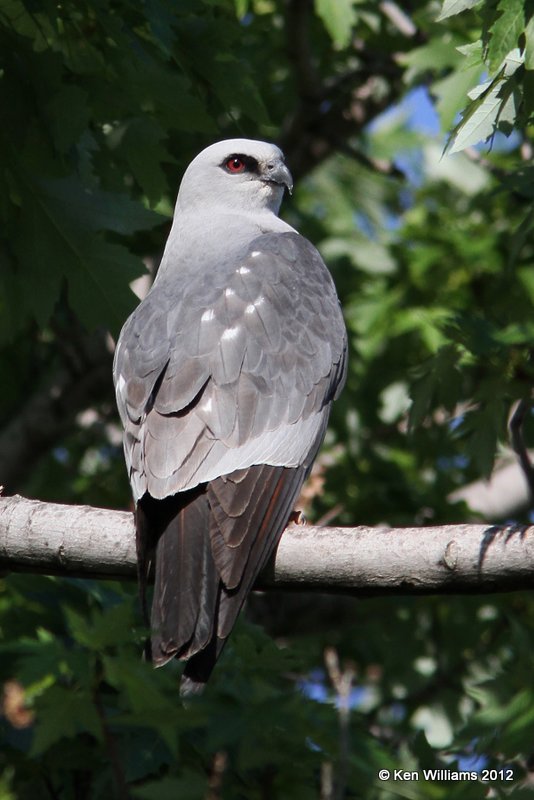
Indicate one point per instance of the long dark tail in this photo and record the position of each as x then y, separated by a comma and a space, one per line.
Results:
209, 545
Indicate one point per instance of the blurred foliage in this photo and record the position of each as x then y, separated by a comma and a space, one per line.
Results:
103, 105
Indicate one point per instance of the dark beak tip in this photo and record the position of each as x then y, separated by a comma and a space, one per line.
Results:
279, 173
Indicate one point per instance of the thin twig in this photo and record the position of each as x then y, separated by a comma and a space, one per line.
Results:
327, 781
341, 680
480, 159
215, 782
380, 165
112, 749
329, 516
398, 18
299, 49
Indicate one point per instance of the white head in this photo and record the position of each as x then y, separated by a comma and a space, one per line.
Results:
236, 174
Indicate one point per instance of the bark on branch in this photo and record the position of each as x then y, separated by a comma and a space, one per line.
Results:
81, 541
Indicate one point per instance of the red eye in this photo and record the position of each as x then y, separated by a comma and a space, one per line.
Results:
235, 164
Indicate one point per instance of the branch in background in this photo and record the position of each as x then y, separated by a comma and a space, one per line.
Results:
381, 166
342, 681
299, 50
398, 18
50, 412
329, 111
80, 541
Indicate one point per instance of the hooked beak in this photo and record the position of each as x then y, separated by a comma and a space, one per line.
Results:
277, 172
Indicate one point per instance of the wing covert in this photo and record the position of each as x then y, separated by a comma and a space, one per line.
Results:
207, 371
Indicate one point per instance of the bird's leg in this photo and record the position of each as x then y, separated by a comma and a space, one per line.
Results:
297, 518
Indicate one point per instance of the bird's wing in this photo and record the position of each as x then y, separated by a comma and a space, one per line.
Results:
232, 368
224, 384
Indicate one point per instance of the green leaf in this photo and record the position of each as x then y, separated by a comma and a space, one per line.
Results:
526, 276
436, 383
529, 45
510, 716
97, 273
190, 786
473, 53
483, 426
338, 17
451, 92
98, 278
520, 182
143, 147
162, 19
459, 170
494, 102
143, 754
61, 219
69, 114
63, 713
368, 255
104, 629
90, 209
505, 32
15, 305
137, 680
519, 239
236, 89
439, 52
241, 8
38, 27
452, 7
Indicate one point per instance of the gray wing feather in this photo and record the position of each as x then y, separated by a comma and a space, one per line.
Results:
233, 370
180, 385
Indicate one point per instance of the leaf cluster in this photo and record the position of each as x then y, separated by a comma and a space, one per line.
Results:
103, 106
505, 52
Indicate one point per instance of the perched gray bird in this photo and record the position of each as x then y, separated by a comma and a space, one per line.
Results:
225, 375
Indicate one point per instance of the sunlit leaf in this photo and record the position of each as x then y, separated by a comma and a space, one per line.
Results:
452, 7
338, 17
505, 31
529, 44
493, 103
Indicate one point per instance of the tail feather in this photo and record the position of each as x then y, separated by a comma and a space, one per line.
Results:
282, 497
278, 488
186, 580
233, 537
209, 545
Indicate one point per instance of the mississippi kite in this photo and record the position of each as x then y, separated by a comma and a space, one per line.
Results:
224, 375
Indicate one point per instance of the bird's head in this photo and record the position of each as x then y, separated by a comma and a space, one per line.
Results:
236, 174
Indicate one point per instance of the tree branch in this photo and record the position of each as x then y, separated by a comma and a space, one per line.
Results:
80, 541
334, 108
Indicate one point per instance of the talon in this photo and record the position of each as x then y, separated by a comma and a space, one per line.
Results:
297, 518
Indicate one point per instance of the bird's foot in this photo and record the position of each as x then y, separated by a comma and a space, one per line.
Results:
297, 518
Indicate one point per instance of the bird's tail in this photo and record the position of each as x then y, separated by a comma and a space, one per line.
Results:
249, 511
209, 545
175, 534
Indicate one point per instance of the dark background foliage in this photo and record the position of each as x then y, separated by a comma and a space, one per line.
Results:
103, 105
